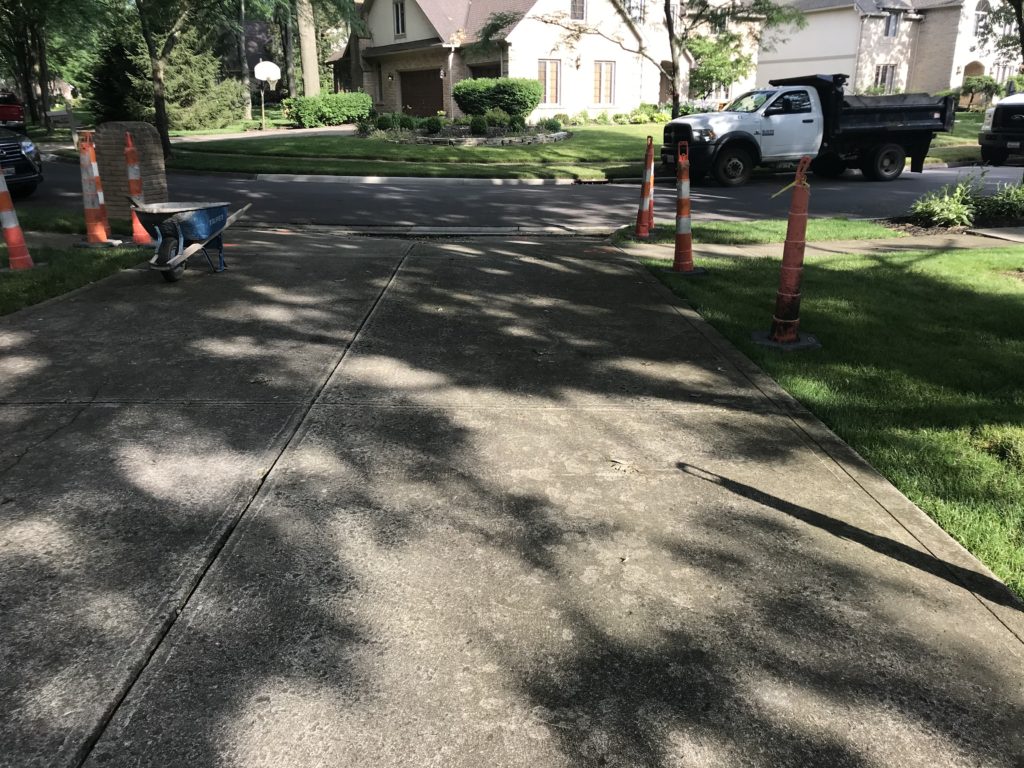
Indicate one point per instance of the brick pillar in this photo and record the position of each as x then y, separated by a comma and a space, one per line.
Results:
114, 174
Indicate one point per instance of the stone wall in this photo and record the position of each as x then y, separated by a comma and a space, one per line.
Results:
114, 173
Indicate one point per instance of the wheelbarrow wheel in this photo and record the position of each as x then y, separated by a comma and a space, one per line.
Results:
167, 251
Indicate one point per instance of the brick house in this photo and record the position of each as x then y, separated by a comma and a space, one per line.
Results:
418, 49
890, 45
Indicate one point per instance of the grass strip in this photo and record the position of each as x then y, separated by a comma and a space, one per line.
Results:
920, 373
34, 218
764, 231
60, 270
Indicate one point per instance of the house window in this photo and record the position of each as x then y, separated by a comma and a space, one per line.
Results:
578, 10
399, 6
635, 9
892, 23
548, 72
604, 82
885, 77
980, 18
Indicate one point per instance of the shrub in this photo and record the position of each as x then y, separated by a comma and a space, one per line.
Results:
580, 118
516, 96
620, 118
365, 126
550, 125
478, 125
406, 122
328, 109
1007, 204
517, 123
387, 121
980, 84
950, 206
433, 125
497, 118
563, 118
603, 119
638, 117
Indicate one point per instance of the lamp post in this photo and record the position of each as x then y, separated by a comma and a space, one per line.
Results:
268, 73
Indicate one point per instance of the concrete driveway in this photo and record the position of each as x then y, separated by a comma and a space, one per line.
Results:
507, 503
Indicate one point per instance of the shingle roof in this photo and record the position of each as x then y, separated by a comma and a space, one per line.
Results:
466, 17
873, 6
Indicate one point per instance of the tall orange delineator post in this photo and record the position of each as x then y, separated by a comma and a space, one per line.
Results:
645, 213
683, 261
17, 251
131, 158
785, 331
97, 229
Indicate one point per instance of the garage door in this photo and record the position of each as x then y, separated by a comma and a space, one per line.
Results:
422, 93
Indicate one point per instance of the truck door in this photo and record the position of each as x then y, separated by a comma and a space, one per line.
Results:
791, 127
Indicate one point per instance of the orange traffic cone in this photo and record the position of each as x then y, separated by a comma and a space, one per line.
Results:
17, 251
645, 213
97, 230
131, 157
683, 261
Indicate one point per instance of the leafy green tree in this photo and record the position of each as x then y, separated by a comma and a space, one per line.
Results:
718, 62
1003, 29
980, 84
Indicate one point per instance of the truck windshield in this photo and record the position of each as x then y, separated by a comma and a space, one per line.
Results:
750, 102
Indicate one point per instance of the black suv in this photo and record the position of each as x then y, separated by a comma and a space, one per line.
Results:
1002, 133
22, 166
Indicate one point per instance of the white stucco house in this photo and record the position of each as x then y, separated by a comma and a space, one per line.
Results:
416, 50
888, 45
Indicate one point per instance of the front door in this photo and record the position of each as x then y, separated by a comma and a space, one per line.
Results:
422, 92
790, 128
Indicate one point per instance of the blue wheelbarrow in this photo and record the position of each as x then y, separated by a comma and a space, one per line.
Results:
182, 230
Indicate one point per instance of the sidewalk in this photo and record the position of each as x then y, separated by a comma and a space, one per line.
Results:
482, 503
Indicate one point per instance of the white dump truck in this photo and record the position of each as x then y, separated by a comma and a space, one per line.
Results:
810, 116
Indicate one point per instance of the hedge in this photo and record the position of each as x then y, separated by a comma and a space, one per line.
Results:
328, 109
514, 95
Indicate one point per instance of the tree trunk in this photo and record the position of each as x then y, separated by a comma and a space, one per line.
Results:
675, 47
284, 21
307, 48
25, 64
160, 104
39, 38
243, 62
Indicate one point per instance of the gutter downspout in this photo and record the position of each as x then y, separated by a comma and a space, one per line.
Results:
856, 55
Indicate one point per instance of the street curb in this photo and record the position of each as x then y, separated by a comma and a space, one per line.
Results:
330, 179
423, 231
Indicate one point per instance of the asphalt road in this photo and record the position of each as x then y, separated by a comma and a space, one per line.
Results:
427, 202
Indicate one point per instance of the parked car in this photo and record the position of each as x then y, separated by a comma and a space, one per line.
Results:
1002, 132
12, 111
21, 163
811, 116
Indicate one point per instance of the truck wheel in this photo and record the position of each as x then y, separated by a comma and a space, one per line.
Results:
733, 166
993, 155
885, 163
828, 166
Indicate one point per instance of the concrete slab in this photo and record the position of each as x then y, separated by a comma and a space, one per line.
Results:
566, 573
525, 321
465, 587
269, 329
109, 516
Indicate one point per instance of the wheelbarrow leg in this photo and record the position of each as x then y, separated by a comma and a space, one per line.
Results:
218, 243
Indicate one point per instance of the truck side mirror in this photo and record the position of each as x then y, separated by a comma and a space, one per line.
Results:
774, 109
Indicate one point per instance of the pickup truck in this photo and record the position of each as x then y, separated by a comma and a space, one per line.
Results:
1002, 132
811, 116
12, 112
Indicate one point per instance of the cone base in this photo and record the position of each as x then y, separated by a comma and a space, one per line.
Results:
804, 341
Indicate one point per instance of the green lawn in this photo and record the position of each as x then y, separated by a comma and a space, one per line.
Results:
62, 270
920, 372
34, 218
589, 144
765, 231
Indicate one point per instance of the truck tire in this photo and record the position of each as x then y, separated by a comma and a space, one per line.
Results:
828, 166
994, 155
884, 163
733, 166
